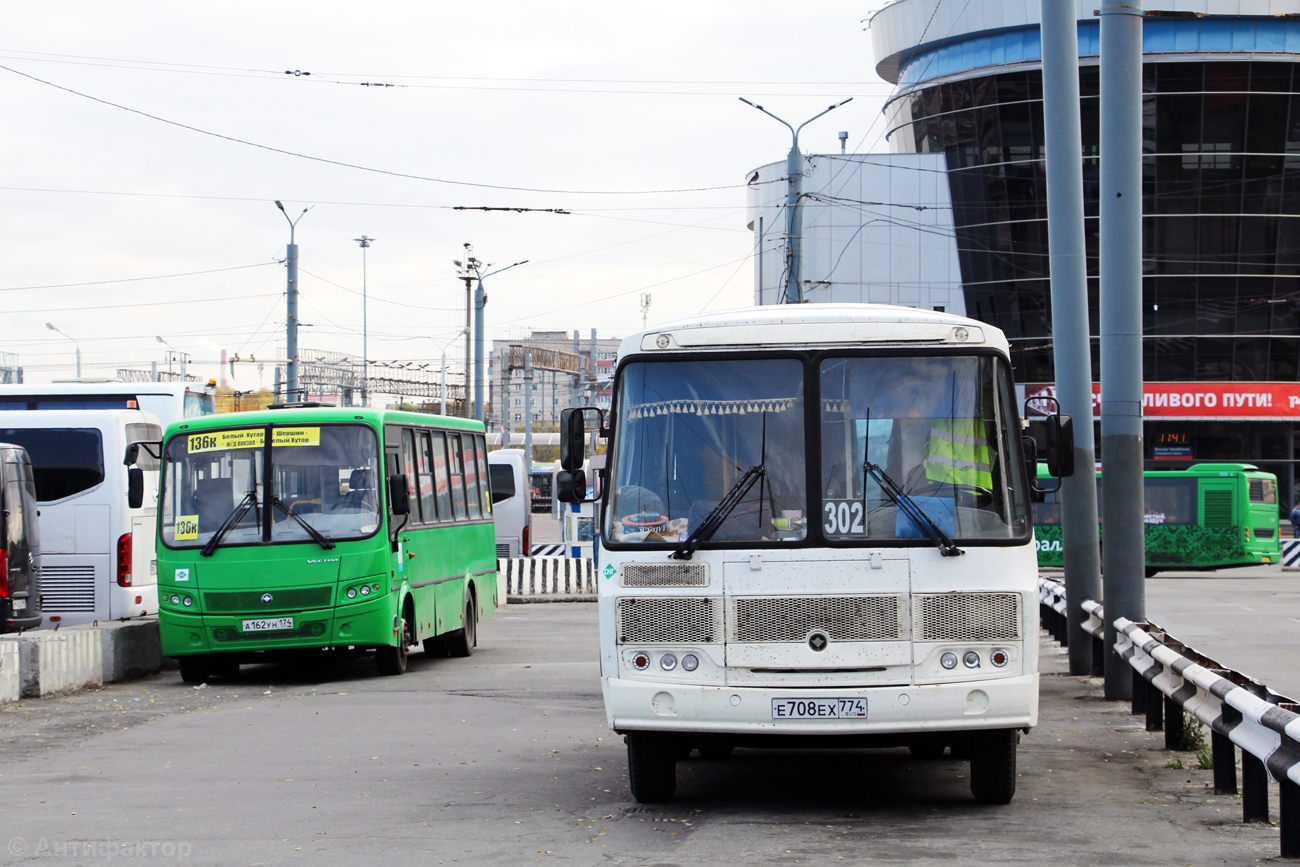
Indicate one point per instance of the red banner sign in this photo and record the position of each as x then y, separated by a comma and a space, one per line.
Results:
1244, 401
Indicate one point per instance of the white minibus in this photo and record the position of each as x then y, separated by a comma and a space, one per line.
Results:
511, 502
97, 552
816, 532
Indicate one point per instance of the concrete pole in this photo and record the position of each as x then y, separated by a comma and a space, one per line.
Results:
528, 418
794, 224
1070, 339
480, 301
469, 280
1124, 554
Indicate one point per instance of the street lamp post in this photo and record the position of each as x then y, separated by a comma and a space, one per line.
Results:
480, 301
50, 326
794, 220
291, 317
178, 355
364, 241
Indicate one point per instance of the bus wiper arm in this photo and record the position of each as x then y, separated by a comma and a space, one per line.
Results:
712, 521
249, 501
940, 539
321, 539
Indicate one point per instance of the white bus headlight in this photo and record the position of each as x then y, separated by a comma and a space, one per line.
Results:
187, 601
365, 589
667, 662
689, 662
971, 659
948, 660
352, 593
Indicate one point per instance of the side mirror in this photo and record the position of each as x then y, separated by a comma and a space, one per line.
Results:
399, 494
1030, 448
132, 455
1060, 446
573, 440
134, 486
571, 486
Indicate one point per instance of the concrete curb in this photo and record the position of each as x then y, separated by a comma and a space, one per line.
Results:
46, 662
535, 579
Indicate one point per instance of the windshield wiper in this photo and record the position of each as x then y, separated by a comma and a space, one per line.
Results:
321, 539
249, 502
712, 521
940, 539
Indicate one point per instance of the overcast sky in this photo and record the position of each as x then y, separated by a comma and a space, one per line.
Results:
144, 143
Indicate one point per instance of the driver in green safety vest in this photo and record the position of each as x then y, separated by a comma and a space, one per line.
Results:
959, 453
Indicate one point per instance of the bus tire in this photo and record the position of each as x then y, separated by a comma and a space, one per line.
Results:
392, 660
463, 641
993, 766
652, 770
195, 669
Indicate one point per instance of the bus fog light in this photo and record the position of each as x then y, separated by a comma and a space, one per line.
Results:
948, 661
667, 662
641, 661
689, 662
971, 659
352, 593
176, 600
999, 658
365, 590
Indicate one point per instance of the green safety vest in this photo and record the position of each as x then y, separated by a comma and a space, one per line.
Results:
959, 453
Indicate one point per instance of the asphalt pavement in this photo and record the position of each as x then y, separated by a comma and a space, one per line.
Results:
504, 759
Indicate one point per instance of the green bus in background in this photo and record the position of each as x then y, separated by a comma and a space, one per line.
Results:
310, 529
1208, 516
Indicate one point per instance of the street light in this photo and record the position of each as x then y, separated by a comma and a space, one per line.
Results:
480, 301
50, 326
291, 318
364, 241
175, 353
794, 220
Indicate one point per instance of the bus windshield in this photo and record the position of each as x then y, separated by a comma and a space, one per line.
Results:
321, 476
690, 432
939, 428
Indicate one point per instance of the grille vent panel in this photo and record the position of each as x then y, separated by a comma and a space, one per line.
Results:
68, 588
665, 575
762, 619
666, 619
289, 599
967, 617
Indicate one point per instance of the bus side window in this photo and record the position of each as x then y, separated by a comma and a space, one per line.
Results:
471, 477
485, 485
442, 482
408, 468
456, 469
427, 502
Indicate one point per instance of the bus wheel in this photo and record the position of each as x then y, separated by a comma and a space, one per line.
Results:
463, 641
993, 766
195, 669
651, 767
392, 660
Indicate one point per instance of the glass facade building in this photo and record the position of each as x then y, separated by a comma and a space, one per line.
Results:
1221, 195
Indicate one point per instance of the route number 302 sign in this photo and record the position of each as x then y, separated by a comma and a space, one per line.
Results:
843, 518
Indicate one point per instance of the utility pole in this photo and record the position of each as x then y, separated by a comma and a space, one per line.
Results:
794, 222
1070, 339
291, 318
1120, 322
365, 354
645, 309
469, 271
472, 273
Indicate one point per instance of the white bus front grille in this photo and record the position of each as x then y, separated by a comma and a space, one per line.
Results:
68, 588
763, 619
967, 617
670, 619
665, 575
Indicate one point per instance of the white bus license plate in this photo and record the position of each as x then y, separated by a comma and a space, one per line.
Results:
268, 624
819, 708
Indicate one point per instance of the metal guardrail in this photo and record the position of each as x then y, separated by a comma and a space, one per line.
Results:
1169, 678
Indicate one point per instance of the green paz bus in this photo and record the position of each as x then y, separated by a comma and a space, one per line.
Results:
308, 529
1206, 517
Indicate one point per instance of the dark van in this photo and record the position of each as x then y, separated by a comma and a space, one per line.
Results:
20, 542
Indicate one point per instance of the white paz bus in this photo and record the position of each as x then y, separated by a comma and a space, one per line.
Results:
815, 532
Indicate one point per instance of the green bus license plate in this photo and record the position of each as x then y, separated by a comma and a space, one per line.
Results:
819, 708
268, 624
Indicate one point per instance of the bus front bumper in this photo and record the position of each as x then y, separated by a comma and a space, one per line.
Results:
678, 707
356, 624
